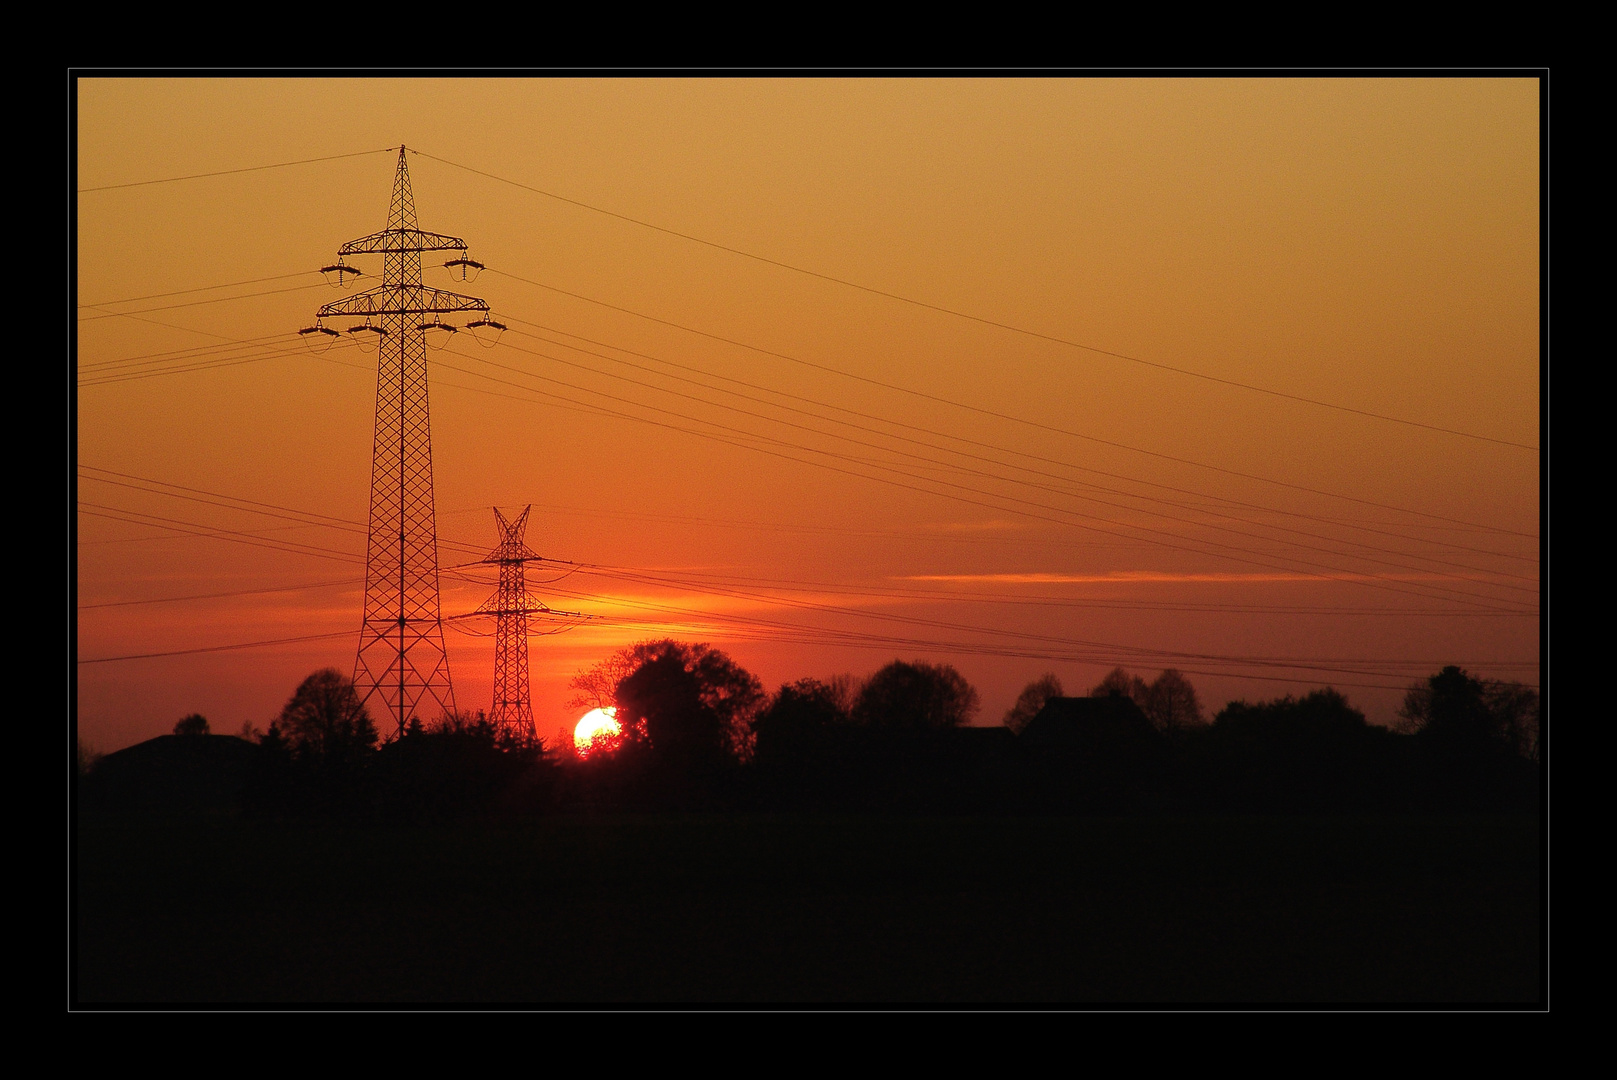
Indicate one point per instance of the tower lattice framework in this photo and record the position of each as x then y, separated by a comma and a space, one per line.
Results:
510, 606
402, 665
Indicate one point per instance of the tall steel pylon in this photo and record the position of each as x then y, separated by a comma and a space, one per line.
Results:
513, 709
402, 661
511, 606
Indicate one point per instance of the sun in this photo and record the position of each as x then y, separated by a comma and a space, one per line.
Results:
596, 730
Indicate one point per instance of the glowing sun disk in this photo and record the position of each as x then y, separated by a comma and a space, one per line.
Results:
596, 730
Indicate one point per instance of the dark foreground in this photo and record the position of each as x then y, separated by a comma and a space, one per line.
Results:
812, 910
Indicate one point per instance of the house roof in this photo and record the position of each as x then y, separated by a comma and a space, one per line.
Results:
1095, 722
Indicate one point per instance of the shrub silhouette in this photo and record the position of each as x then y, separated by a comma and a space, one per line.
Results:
195, 724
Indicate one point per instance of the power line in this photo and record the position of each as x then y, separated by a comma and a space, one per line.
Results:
1311, 663
199, 288
187, 368
1010, 465
1004, 416
822, 635
795, 633
971, 442
955, 312
1021, 510
194, 303
219, 648
901, 472
190, 354
103, 377
858, 286
223, 595
232, 172
300, 517
186, 528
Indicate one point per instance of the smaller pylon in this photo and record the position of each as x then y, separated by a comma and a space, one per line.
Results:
510, 605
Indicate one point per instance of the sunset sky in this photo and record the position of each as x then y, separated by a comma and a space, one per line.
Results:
1235, 376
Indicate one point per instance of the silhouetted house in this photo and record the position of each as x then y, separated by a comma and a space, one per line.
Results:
1095, 753
173, 772
1103, 725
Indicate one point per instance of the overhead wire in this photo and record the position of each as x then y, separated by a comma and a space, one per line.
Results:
193, 303
754, 437
889, 467
643, 577
984, 458
844, 282
980, 410
958, 438
350, 582
959, 314
821, 635
217, 648
724, 624
568, 568
198, 288
233, 172
189, 355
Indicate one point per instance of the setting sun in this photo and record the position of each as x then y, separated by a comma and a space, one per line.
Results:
596, 730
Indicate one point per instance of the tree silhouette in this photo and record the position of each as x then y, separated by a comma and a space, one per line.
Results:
1031, 700
809, 701
325, 720
597, 686
1170, 703
195, 724
462, 763
1311, 754
1453, 708
1517, 711
916, 697
1119, 683
798, 715
688, 702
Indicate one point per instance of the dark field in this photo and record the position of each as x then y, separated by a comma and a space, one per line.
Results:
813, 910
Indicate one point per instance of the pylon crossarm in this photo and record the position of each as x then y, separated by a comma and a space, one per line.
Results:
491, 607
507, 553
403, 300
401, 240
542, 610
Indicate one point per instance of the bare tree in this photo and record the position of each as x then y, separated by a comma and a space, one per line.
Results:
1119, 683
1170, 703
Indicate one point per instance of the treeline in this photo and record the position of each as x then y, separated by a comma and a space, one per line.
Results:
697, 732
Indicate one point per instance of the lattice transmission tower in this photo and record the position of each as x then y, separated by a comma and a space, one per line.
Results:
402, 665
511, 606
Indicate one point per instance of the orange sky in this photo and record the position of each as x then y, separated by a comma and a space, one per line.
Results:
952, 490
